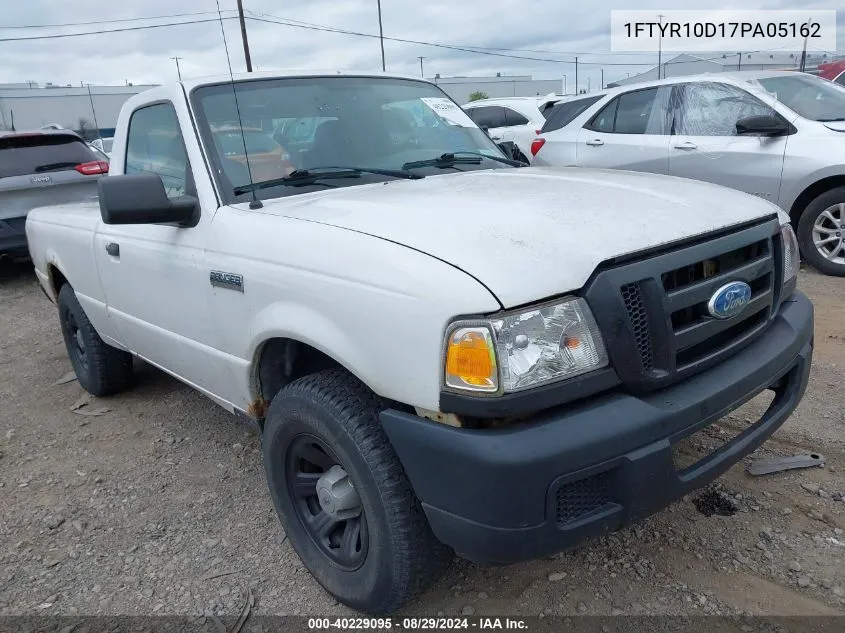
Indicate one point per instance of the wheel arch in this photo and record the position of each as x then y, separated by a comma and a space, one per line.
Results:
293, 341
811, 192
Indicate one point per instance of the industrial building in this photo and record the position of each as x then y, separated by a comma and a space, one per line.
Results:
460, 88
88, 108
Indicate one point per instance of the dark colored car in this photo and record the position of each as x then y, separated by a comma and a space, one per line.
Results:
41, 168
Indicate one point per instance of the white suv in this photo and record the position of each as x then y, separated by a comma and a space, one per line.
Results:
512, 119
776, 135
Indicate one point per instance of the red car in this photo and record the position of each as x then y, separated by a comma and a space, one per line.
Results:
834, 71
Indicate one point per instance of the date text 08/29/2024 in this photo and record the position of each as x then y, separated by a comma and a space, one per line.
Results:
416, 623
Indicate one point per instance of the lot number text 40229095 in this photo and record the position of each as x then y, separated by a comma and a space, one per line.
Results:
417, 624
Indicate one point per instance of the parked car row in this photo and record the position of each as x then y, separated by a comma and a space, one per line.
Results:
776, 135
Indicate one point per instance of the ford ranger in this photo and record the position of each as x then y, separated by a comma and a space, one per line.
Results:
445, 352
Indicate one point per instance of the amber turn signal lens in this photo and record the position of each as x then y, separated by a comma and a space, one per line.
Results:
471, 360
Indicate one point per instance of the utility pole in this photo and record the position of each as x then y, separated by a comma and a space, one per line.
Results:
178, 70
602, 78
93, 110
576, 75
564, 84
422, 74
380, 36
739, 63
660, 17
804, 52
243, 36
588, 84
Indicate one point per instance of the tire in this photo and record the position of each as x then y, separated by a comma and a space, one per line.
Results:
806, 227
101, 369
396, 556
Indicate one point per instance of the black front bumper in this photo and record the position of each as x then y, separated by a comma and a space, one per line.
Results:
576, 471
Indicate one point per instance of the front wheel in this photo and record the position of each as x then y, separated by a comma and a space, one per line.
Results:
821, 232
342, 496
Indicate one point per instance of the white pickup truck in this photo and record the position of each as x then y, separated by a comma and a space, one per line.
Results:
444, 351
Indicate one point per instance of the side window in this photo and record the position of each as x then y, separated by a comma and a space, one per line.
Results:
481, 115
606, 118
562, 114
155, 145
474, 114
840, 79
712, 109
512, 117
635, 110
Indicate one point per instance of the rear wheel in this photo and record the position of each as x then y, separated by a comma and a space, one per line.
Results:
100, 368
821, 232
342, 496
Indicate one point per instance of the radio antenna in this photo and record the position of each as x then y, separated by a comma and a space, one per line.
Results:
255, 203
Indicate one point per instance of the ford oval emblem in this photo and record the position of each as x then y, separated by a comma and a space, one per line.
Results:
729, 300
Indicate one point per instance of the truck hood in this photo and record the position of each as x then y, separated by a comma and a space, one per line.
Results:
533, 232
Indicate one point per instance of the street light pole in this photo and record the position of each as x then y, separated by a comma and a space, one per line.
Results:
660, 17
178, 70
93, 109
381, 36
422, 73
576, 75
564, 84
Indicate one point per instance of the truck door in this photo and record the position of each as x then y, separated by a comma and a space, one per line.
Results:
154, 275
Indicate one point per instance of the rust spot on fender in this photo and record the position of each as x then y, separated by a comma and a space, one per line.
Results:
258, 409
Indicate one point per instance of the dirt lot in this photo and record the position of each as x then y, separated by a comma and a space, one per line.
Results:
159, 506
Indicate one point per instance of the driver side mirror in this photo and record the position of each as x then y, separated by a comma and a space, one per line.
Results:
762, 125
142, 199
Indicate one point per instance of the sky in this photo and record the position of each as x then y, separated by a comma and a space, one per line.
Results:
559, 30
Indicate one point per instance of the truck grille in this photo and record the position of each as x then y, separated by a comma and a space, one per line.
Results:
633, 297
654, 313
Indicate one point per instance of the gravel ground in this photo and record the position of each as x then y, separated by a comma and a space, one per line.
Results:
158, 505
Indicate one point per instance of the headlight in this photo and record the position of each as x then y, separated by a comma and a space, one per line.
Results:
791, 256
530, 347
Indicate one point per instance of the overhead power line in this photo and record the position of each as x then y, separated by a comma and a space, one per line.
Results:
468, 49
113, 21
271, 19
53, 36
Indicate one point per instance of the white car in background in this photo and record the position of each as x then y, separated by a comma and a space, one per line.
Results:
103, 145
512, 119
777, 135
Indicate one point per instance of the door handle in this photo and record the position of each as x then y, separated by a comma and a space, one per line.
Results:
113, 249
686, 145
595, 142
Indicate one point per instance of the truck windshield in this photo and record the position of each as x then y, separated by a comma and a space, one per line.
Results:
809, 96
378, 123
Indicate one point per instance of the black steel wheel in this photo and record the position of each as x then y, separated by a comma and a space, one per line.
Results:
342, 496
341, 535
100, 368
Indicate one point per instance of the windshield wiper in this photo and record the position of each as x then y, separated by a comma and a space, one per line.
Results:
450, 159
55, 166
311, 176
841, 118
